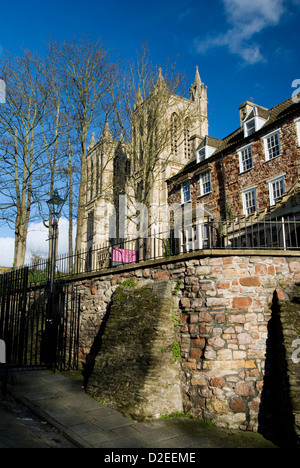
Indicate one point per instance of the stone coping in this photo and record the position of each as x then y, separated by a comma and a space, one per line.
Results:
186, 257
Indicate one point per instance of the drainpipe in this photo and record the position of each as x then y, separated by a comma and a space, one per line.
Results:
283, 233
224, 185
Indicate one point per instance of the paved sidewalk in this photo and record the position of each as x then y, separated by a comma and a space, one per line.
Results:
59, 398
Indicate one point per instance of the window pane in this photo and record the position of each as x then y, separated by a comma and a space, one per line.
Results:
186, 192
250, 127
250, 202
205, 183
201, 154
246, 159
273, 146
277, 189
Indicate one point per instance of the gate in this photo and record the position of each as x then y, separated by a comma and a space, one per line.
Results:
39, 329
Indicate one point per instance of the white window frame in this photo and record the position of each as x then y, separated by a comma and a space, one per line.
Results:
240, 153
205, 152
253, 128
201, 154
266, 138
204, 182
244, 198
258, 123
297, 121
271, 182
184, 184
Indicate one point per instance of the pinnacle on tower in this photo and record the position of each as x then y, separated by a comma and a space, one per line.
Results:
197, 82
139, 99
106, 131
160, 83
93, 142
197, 87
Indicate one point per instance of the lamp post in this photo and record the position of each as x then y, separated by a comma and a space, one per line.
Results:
55, 205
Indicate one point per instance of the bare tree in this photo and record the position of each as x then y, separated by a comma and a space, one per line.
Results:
153, 121
22, 147
86, 74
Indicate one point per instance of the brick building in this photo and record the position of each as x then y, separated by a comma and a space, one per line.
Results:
248, 178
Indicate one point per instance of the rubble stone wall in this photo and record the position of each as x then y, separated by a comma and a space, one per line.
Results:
222, 306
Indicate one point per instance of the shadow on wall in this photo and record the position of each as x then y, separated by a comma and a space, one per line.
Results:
88, 366
130, 366
276, 419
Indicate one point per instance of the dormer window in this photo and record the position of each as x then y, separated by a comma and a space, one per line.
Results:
250, 127
254, 120
205, 152
207, 148
201, 154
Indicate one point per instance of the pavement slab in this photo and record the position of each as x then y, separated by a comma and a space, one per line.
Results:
60, 399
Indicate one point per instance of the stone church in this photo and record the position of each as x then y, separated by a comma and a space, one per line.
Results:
166, 129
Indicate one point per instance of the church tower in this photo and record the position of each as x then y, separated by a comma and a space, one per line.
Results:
180, 124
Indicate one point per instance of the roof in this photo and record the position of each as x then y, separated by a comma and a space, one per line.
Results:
277, 114
210, 141
258, 111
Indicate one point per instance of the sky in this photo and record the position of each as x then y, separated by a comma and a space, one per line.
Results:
244, 49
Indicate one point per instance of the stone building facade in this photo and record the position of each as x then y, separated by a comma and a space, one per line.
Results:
252, 173
111, 164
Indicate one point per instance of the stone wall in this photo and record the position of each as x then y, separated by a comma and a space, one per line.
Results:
222, 306
280, 409
136, 370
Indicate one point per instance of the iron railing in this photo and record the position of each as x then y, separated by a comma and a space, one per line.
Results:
39, 329
240, 233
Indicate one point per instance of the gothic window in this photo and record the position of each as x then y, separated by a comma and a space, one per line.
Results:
97, 175
90, 225
87, 182
174, 134
187, 149
92, 181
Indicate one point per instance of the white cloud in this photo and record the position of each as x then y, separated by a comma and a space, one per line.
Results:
6, 251
246, 18
37, 243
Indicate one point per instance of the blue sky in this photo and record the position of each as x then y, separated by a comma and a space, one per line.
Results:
245, 49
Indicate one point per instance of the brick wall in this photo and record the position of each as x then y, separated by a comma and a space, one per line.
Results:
222, 308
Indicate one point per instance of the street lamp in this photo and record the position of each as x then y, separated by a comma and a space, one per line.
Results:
55, 205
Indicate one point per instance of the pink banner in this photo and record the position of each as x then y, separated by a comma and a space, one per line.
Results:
124, 256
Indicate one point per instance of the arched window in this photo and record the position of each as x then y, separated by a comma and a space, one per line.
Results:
97, 174
187, 147
92, 181
174, 134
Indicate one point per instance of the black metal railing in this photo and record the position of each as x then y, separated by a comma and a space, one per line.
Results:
241, 233
39, 329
